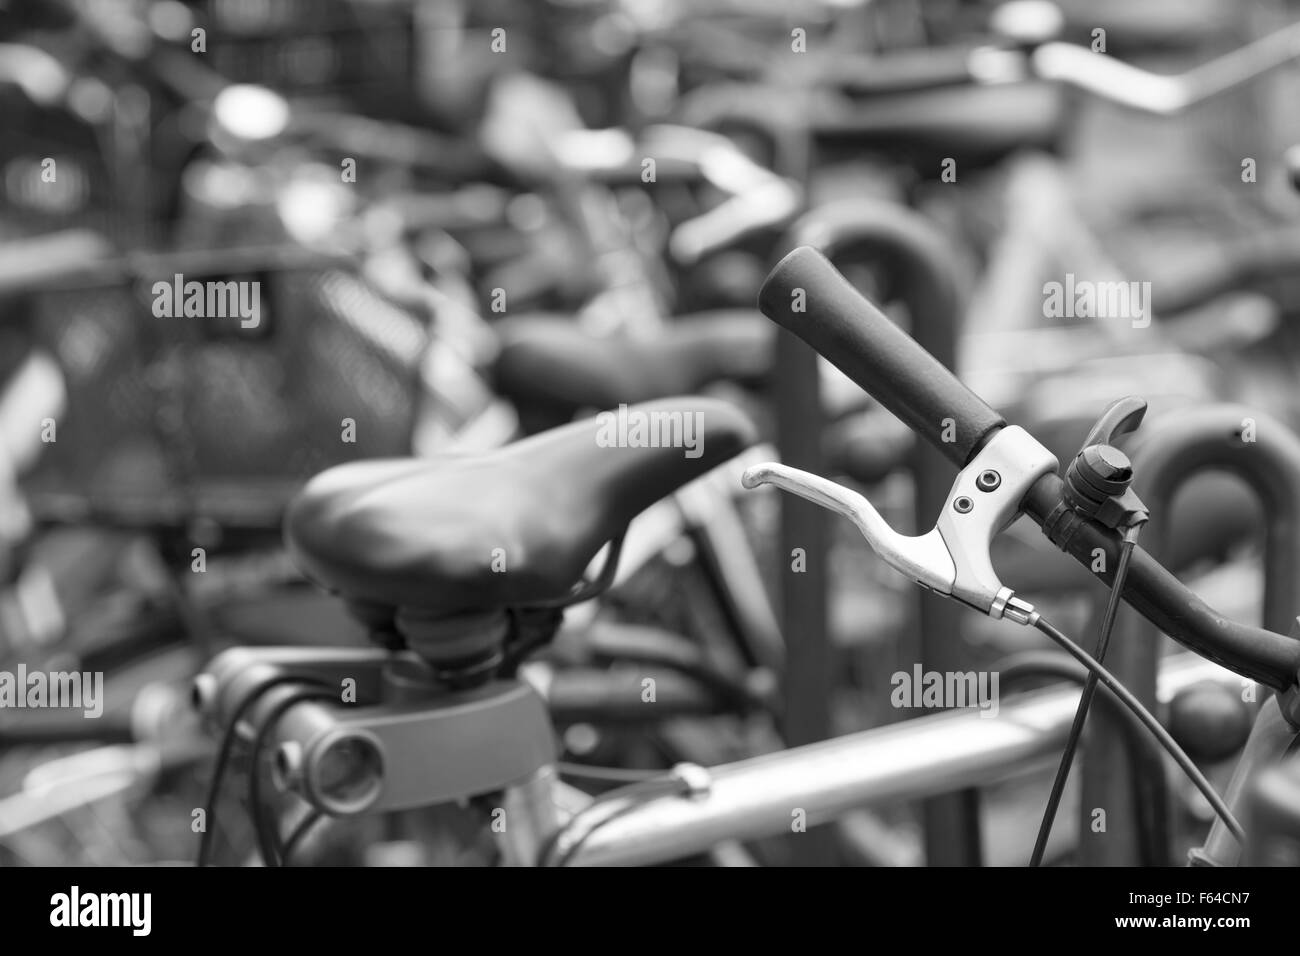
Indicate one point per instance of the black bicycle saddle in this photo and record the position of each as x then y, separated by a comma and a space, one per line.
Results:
552, 369
514, 527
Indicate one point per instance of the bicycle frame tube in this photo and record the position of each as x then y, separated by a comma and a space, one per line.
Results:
911, 760
713, 520
1269, 740
532, 814
706, 512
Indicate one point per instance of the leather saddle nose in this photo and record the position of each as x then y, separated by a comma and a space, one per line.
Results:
514, 527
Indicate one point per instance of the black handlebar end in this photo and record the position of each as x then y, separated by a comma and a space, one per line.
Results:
807, 295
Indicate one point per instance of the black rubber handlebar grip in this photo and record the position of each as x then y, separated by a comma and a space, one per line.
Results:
807, 295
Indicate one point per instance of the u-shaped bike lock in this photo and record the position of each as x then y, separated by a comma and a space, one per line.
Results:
1166, 452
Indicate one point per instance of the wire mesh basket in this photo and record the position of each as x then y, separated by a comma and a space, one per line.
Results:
310, 47
51, 174
173, 420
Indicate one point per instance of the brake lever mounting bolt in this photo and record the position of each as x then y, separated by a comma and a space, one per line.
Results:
962, 505
988, 480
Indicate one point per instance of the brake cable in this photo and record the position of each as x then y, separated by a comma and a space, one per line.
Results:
563, 847
298, 834
268, 841
1085, 701
1097, 488
229, 738
1140, 750
1162, 736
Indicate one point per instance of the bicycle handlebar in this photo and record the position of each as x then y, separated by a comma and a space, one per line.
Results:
1153, 591
1164, 95
808, 296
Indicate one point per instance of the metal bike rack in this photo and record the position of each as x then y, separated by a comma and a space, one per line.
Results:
926, 284
757, 797
1166, 453
796, 396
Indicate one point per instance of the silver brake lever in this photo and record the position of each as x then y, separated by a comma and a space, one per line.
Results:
952, 558
925, 559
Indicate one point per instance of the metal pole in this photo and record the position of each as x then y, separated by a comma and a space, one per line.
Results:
920, 267
805, 582
758, 797
805, 533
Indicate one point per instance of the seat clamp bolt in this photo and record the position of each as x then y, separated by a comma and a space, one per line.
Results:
696, 779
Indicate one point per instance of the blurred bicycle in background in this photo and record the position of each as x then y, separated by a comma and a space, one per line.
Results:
246, 244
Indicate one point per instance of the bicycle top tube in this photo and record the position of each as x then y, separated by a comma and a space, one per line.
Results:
807, 295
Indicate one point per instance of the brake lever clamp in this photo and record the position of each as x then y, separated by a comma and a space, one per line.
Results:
951, 559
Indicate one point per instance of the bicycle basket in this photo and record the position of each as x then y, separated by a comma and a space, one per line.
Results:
173, 419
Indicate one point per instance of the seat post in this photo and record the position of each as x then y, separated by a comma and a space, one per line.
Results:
462, 650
